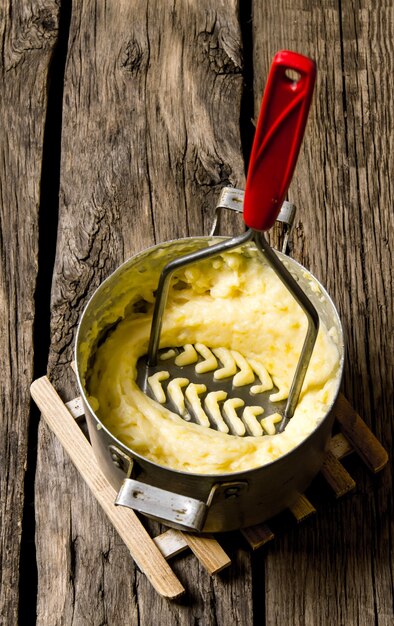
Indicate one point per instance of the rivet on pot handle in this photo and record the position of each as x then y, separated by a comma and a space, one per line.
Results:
188, 513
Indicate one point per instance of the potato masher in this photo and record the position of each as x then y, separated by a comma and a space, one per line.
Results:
280, 129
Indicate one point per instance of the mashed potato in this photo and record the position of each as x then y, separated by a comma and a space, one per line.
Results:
236, 302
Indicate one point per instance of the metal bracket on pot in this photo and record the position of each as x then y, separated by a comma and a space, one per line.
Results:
121, 460
166, 506
232, 199
221, 492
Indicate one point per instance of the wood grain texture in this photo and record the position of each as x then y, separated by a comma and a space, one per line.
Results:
341, 570
150, 134
28, 32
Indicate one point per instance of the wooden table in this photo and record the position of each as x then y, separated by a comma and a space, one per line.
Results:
121, 121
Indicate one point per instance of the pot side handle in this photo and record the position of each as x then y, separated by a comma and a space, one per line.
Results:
182, 511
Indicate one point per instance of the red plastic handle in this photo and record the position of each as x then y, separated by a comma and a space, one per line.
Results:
280, 129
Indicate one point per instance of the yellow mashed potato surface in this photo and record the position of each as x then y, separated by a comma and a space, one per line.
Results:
234, 301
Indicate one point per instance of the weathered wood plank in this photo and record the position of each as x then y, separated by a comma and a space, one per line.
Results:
150, 135
28, 32
343, 191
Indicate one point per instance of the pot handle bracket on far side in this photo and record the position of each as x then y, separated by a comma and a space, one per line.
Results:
232, 199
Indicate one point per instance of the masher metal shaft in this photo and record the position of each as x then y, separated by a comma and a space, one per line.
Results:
313, 324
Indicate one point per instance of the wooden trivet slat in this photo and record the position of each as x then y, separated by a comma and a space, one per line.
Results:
171, 543
359, 435
208, 551
75, 407
257, 536
337, 476
302, 508
143, 550
339, 446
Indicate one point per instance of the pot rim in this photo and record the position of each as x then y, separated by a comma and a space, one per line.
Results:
214, 476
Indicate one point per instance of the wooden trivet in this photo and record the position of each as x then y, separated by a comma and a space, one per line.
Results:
151, 553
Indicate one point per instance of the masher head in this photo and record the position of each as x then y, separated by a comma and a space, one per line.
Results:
216, 388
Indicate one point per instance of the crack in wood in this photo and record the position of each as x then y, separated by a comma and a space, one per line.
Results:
47, 25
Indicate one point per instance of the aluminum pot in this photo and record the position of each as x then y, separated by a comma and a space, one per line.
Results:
198, 502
